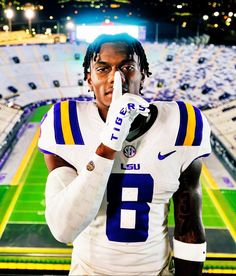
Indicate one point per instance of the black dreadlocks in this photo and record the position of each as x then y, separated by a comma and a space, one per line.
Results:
134, 46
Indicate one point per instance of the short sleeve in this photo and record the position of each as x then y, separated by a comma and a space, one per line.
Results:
193, 134
60, 128
46, 142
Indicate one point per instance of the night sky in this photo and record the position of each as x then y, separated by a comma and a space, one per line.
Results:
149, 12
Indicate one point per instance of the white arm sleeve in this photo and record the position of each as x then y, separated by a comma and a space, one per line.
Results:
72, 201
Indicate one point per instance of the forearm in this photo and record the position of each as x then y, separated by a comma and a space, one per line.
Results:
105, 152
72, 201
189, 243
189, 233
187, 268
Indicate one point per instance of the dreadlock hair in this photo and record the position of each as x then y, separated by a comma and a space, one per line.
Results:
133, 45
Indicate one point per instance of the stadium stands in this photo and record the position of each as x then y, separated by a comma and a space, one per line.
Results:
223, 124
10, 123
204, 75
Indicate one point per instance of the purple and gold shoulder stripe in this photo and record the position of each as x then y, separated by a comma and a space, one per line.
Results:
66, 124
190, 126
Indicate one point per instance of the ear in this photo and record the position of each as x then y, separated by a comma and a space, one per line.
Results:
89, 81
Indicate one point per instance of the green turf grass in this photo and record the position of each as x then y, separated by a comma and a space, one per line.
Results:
211, 217
230, 195
6, 194
223, 198
38, 114
30, 205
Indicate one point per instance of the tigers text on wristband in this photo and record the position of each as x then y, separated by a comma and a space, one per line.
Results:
195, 252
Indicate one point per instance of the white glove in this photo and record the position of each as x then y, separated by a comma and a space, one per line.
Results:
122, 112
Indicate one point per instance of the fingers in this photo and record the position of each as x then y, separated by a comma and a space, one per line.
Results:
136, 98
117, 88
144, 112
135, 105
140, 100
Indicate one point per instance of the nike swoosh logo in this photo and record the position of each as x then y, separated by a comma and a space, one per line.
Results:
163, 156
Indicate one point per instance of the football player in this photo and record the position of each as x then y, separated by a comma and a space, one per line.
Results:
114, 165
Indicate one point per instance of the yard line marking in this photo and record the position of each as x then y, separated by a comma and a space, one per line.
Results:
25, 160
210, 180
207, 180
16, 181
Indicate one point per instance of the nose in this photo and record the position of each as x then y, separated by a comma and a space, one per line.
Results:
112, 74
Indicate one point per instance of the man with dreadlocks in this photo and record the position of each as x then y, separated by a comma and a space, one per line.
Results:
115, 163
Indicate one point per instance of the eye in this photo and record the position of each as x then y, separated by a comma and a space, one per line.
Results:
102, 69
128, 68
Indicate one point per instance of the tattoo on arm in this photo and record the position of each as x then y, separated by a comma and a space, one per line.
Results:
187, 207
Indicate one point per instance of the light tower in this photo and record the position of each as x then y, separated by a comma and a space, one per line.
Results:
9, 15
29, 14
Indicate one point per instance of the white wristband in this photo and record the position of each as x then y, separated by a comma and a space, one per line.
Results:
195, 252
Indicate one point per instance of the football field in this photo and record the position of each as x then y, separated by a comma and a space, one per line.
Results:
26, 242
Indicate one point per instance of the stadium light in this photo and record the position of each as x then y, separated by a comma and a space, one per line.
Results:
70, 25
9, 15
29, 14
5, 28
90, 32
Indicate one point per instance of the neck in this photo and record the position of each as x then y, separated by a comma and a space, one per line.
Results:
141, 124
137, 126
103, 114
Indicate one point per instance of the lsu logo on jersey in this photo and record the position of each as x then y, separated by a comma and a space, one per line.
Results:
130, 167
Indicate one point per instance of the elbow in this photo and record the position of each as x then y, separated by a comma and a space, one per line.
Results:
61, 236
60, 228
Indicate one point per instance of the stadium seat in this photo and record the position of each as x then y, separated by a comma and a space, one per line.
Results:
80, 82
56, 83
224, 96
16, 59
206, 90
77, 56
46, 58
32, 85
12, 89
201, 60
184, 86
169, 58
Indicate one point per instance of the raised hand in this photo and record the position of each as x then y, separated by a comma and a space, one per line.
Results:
122, 112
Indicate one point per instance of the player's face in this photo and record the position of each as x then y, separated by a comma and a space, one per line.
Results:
113, 57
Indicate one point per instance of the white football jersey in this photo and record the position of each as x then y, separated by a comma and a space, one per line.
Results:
129, 234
